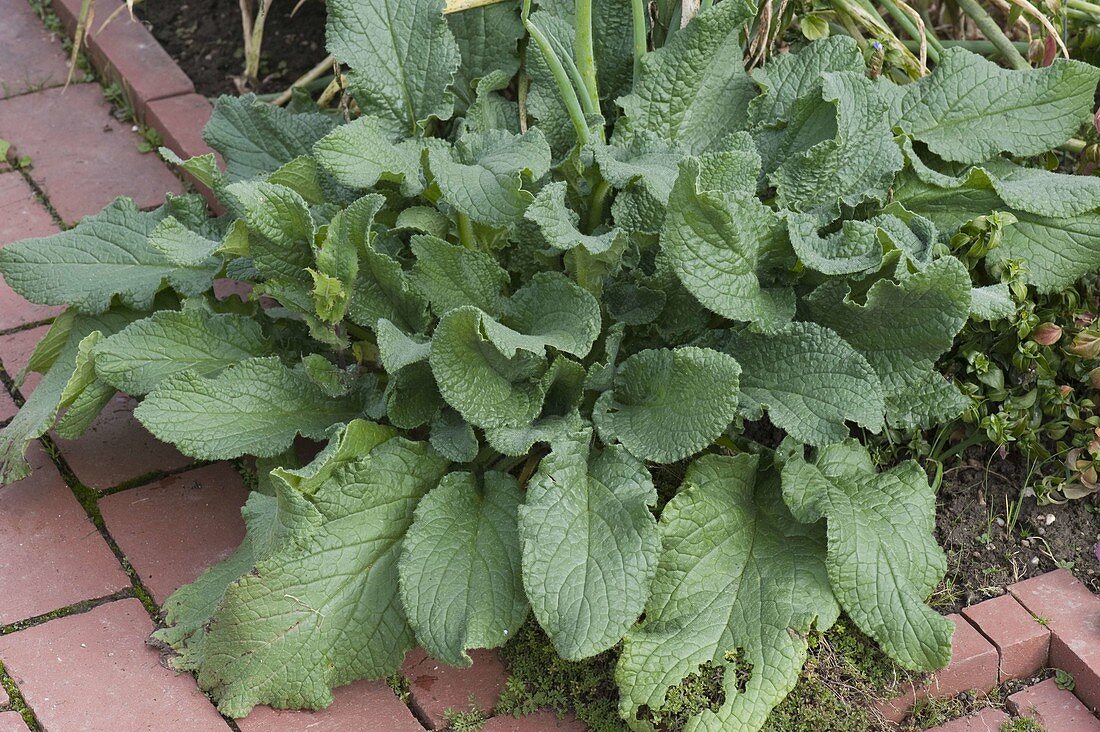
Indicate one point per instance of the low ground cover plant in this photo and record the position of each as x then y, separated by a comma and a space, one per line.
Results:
532, 266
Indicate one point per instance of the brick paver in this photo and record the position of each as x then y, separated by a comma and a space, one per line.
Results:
363, 705
116, 448
1056, 709
973, 667
7, 406
543, 721
127, 52
31, 57
51, 555
12, 722
435, 687
1021, 642
93, 671
988, 720
1073, 615
96, 159
173, 529
22, 216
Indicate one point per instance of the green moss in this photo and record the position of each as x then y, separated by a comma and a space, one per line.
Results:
814, 707
695, 693
16, 702
539, 679
1022, 724
400, 686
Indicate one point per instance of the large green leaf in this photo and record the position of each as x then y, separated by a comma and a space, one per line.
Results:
322, 609
460, 566
365, 151
809, 380
590, 544
667, 404
970, 109
145, 353
789, 77
740, 583
402, 57
488, 39
694, 91
883, 560
714, 240
451, 276
256, 407
105, 255
901, 329
483, 176
256, 138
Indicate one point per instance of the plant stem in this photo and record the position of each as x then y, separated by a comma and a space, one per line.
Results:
993, 32
585, 51
638, 10
561, 78
315, 73
981, 47
595, 208
466, 232
906, 23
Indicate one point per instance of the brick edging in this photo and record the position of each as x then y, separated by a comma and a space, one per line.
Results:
1049, 621
163, 97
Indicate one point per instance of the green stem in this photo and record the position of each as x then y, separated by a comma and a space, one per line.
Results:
1091, 8
1074, 146
595, 208
561, 78
906, 23
993, 32
705, 5
638, 9
585, 51
982, 47
466, 232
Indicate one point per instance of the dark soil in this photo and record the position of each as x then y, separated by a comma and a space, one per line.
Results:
993, 537
204, 37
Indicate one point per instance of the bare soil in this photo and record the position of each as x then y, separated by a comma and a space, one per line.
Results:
205, 39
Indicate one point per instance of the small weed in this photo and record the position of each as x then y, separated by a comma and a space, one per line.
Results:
400, 686
1022, 724
1064, 680
470, 720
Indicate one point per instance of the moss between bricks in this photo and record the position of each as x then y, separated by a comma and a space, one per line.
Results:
16, 702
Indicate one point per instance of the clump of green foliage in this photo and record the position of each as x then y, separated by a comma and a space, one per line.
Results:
504, 312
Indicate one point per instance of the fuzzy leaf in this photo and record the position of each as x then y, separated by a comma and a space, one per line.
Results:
451, 276
323, 608
402, 56
590, 544
969, 109
882, 560
668, 404
694, 91
105, 255
809, 380
256, 407
167, 342
365, 151
460, 566
740, 583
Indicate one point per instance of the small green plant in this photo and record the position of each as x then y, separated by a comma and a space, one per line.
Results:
1022, 724
510, 290
1064, 680
469, 720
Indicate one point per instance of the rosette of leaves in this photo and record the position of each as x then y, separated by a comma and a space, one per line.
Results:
502, 313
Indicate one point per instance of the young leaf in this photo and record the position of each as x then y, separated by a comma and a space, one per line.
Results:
451, 276
167, 342
694, 91
740, 584
668, 404
256, 407
402, 56
590, 544
323, 608
460, 566
970, 109
882, 560
105, 255
789, 77
488, 38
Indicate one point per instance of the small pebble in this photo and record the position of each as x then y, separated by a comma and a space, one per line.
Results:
1035, 561
1049, 519
1000, 521
1025, 543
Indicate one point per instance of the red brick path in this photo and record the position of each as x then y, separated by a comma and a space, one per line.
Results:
115, 516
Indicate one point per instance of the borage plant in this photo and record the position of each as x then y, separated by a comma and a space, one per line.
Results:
508, 290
